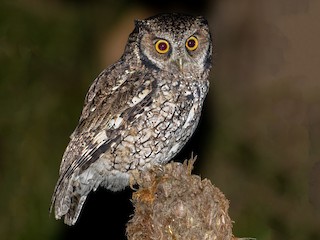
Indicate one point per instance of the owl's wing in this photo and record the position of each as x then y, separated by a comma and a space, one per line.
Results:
110, 106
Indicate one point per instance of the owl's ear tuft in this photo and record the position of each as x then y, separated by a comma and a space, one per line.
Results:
202, 21
140, 25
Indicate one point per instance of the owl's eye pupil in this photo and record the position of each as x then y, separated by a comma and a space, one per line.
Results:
163, 46
191, 43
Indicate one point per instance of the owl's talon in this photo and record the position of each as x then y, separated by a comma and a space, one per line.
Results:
134, 179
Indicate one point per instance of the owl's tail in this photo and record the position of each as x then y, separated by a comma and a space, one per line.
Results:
67, 202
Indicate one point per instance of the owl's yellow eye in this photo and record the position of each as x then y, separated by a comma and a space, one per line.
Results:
192, 43
162, 46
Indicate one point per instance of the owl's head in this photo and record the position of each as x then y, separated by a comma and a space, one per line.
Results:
179, 44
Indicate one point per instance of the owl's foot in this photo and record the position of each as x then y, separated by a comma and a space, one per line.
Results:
133, 179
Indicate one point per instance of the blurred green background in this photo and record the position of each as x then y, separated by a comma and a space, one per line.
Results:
258, 140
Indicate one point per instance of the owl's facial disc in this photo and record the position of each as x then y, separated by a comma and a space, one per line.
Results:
170, 53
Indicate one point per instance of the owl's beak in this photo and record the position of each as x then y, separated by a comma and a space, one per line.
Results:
180, 63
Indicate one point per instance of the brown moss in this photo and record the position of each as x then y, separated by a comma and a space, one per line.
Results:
171, 203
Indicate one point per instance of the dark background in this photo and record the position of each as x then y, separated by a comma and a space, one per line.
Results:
258, 140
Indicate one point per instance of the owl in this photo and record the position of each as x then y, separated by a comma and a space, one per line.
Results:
139, 112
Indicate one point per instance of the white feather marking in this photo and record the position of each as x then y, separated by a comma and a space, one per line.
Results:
110, 123
187, 93
113, 145
140, 97
119, 83
100, 137
114, 122
175, 148
117, 122
190, 117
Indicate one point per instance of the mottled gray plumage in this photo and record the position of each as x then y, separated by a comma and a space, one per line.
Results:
138, 112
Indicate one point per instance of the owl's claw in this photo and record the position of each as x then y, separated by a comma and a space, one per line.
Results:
133, 180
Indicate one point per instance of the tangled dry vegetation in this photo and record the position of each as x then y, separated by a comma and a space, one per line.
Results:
173, 204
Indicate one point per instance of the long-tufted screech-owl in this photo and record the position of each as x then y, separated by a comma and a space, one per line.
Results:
138, 112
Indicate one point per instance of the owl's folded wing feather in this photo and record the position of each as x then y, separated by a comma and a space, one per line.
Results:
108, 108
